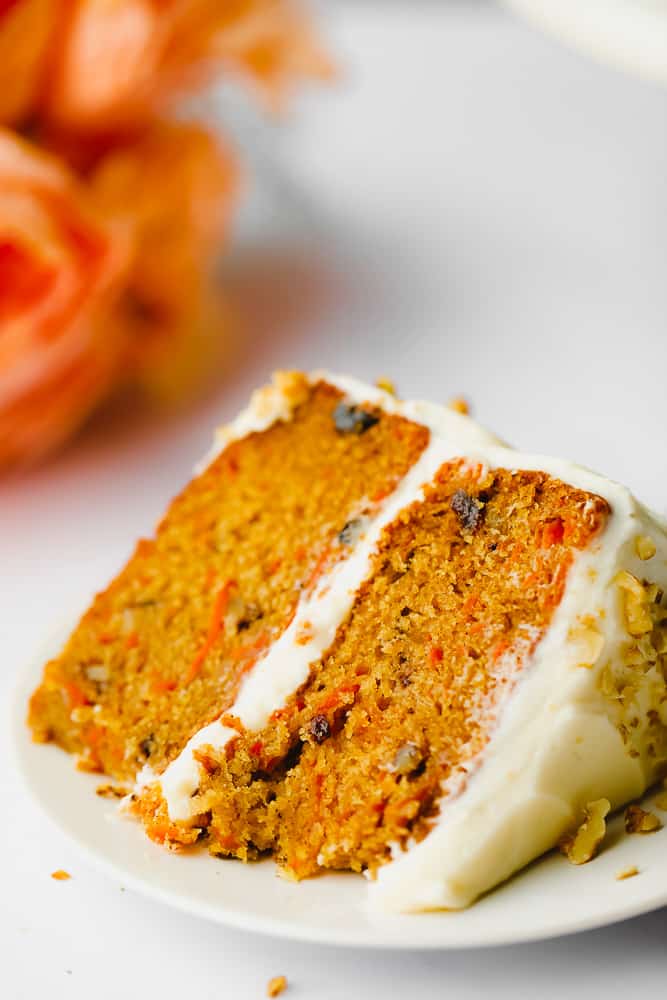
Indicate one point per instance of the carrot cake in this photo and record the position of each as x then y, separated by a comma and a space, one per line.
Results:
369, 636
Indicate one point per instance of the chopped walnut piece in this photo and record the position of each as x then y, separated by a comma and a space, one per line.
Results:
585, 843
627, 873
305, 634
276, 986
608, 684
97, 672
60, 875
406, 759
386, 385
644, 547
637, 820
590, 640
111, 791
637, 598
459, 405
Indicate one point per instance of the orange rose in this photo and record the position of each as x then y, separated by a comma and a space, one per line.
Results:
121, 61
174, 189
26, 30
268, 42
60, 262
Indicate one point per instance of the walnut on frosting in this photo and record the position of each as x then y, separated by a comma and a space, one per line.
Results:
645, 652
645, 547
588, 639
636, 603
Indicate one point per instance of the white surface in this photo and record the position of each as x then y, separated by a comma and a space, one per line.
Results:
627, 33
474, 209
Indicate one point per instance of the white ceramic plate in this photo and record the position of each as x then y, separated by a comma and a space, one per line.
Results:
631, 34
549, 898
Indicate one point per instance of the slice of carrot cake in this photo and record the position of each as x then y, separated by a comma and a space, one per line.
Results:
369, 636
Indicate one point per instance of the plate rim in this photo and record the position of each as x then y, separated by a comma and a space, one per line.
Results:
627, 42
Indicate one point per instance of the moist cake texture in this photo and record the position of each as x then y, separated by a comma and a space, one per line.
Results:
368, 636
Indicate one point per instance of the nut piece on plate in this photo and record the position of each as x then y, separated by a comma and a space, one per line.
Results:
645, 547
637, 820
627, 873
582, 846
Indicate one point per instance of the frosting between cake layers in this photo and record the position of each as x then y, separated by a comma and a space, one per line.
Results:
556, 746
287, 663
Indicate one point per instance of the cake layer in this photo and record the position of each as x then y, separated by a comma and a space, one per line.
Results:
164, 649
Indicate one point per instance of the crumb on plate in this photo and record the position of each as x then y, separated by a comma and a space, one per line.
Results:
460, 405
60, 875
387, 385
111, 791
627, 873
276, 986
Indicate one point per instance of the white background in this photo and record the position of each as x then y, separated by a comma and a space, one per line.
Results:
471, 209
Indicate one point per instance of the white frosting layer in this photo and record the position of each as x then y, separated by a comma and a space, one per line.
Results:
557, 745
267, 406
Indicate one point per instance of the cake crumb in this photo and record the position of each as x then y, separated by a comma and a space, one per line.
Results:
637, 820
386, 384
60, 875
645, 547
627, 873
583, 846
276, 986
111, 791
460, 405
661, 801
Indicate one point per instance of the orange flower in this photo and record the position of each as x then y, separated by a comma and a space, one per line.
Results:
268, 42
175, 189
26, 29
59, 264
121, 61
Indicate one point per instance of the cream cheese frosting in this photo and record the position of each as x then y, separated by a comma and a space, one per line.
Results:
565, 735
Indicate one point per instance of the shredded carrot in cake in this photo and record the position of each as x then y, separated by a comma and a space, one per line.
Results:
215, 629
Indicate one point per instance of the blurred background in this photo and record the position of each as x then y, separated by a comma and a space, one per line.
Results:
468, 204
